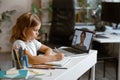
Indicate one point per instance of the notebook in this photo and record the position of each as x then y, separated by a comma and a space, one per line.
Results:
21, 74
81, 42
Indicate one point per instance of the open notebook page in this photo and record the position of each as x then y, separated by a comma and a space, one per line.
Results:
61, 63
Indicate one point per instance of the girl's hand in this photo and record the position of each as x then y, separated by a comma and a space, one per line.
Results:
59, 56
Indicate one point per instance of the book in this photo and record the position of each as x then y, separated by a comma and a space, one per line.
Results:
19, 75
20, 59
20, 53
60, 63
17, 59
25, 60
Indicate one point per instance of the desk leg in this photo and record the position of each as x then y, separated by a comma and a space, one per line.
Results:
93, 73
119, 63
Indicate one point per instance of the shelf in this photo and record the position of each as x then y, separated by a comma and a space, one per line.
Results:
78, 8
83, 13
80, 24
46, 24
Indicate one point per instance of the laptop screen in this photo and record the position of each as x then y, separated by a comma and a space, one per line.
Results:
82, 39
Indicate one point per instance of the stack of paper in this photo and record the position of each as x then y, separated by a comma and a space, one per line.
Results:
61, 63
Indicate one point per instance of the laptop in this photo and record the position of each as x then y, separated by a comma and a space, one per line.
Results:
81, 42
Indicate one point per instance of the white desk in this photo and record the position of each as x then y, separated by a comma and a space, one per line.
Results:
77, 66
112, 38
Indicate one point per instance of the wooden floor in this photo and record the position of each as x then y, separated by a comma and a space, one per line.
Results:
5, 64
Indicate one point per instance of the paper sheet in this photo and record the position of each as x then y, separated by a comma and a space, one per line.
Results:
62, 62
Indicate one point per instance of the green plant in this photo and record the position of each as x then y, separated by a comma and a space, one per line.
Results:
82, 3
38, 11
35, 9
6, 16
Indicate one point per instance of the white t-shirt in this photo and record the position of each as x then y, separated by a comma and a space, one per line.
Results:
31, 46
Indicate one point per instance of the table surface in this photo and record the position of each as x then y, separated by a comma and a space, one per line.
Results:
76, 67
111, 38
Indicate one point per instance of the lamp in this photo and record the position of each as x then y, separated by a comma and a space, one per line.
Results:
96, 12
111, 12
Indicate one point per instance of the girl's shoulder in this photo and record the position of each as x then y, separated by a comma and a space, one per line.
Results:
19, 43
36, 41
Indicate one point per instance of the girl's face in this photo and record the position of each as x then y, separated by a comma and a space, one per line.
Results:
33, 32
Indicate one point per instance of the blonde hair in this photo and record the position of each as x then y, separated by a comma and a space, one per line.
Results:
25, 21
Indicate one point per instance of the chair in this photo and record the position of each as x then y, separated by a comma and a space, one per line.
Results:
63, 20
104, 57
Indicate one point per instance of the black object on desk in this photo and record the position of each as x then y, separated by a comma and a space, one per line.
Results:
111, 12
100, 36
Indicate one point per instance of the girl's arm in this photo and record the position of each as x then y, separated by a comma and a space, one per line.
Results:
45, 49
42, 59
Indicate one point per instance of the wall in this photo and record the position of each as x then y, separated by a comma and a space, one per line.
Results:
20, 6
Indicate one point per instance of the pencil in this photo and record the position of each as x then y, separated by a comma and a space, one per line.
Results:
56, 50
49, 68
51, 64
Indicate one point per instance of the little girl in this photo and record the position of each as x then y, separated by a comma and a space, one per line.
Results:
24, 34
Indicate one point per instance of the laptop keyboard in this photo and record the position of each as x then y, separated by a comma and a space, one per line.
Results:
75, 51
100, 36
70, 52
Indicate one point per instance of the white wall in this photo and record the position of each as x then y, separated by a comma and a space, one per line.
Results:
20, 6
